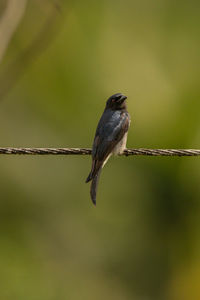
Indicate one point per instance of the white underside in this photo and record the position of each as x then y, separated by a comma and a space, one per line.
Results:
119, 148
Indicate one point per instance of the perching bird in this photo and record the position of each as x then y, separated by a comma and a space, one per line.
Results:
110, 137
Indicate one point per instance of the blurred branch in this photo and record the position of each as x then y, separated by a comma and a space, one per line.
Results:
9, 22
14, 71
86, 151
45, 4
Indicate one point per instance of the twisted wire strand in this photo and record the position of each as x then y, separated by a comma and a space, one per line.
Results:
87, 151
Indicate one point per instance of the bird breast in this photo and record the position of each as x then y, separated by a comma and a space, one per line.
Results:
121, 146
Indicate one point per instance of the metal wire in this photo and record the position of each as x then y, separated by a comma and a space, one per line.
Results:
87, 151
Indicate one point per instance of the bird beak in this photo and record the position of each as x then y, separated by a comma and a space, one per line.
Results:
123, 98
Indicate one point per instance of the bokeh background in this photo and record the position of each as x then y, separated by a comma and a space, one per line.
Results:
59, 62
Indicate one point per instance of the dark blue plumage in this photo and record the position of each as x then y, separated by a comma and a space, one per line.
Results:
110, 137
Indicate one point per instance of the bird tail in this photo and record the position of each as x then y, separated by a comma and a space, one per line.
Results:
94, 185
96, 166
89, 178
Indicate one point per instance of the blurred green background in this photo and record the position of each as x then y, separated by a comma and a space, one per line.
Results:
62, 62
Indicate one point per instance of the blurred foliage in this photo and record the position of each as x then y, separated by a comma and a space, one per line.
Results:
142, 240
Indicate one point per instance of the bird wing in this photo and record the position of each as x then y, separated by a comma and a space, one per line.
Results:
110, 131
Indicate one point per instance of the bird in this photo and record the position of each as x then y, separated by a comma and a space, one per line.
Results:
110, 138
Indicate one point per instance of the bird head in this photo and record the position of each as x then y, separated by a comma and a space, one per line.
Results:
116, 102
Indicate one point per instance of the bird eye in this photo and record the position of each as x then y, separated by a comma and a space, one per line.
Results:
116, 98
